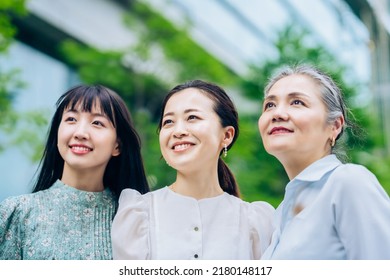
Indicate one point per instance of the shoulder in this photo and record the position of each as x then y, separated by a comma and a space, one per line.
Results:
256, 208
14, 210
351, 170
18, 203
262, 207
25, 202
132, 199
355, 180
131, 196
355, 175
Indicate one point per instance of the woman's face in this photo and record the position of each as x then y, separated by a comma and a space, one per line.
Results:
191, 135
293, 124
86, 140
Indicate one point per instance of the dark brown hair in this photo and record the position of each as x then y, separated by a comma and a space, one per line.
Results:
227, 113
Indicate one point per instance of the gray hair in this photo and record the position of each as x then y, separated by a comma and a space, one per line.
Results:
330, 92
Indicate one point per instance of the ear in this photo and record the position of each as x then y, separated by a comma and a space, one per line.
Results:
337, 126
228, 135
116, 151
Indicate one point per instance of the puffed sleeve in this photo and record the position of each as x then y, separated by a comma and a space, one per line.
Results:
130, 227
10, 230
362, 213
261, 223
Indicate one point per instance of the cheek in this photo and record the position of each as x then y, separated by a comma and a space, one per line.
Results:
163, 141
311, 124
162, 138
261, 125
61, 135
203, 132
61, 142
113, 140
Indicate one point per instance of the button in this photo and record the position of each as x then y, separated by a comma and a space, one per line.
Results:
196, 228
196, 256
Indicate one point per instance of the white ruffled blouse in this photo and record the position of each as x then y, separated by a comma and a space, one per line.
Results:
165, 225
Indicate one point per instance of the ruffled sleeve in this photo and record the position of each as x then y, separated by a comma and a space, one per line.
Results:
261, 224
130, 227
10, 230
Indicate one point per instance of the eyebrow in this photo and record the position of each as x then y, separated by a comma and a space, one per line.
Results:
185, 112
93, 114
292, 94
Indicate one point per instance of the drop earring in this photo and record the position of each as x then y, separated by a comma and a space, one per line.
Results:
225, 150
332, 142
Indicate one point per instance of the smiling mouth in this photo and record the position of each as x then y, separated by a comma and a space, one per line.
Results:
280, 130
181, 147
80, 149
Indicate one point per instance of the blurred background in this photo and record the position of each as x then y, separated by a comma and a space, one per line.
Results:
141, 49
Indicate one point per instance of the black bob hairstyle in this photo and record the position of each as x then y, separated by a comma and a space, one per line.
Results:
123, 171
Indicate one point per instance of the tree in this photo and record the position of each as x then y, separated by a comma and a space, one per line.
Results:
9, 79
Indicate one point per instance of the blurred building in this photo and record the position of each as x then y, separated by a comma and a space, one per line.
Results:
236, 32
375, 14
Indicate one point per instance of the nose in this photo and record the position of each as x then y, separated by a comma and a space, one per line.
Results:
180, 129
81, 132
279, 114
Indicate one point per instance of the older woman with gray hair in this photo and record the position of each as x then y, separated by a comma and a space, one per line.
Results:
330, 210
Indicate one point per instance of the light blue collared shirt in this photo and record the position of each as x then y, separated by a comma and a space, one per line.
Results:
334, 211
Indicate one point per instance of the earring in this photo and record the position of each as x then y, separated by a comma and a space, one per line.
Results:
225, 150
332, 142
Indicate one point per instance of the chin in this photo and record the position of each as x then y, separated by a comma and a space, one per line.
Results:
276, 150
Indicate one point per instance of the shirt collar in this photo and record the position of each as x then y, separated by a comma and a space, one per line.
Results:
319, 168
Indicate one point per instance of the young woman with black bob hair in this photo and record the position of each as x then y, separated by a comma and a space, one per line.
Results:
92, 153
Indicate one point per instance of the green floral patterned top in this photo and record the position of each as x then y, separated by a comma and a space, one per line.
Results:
61, 223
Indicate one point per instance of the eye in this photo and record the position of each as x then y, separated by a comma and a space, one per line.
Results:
98, 123
167, 122
192, 117
268, 105
297, 102
70, 119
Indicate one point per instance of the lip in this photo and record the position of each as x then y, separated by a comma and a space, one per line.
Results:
80, 149
279, 130
181, 146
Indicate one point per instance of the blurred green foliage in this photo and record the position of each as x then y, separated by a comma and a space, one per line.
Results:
23, 129
9, 79
189, 60
7, 29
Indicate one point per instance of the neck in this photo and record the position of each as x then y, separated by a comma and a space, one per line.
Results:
295, 165
86, 181
197, 187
